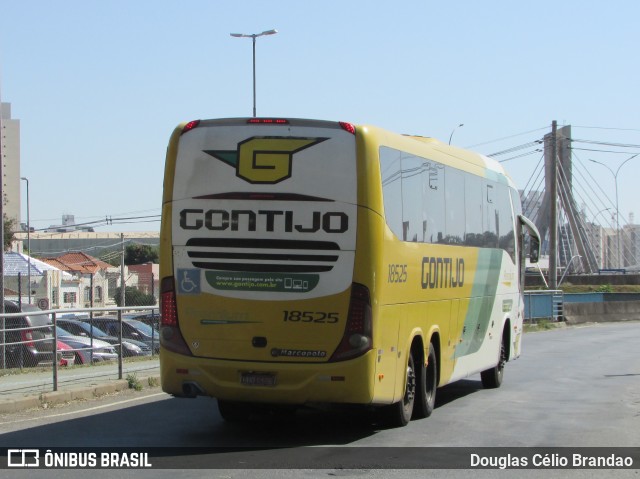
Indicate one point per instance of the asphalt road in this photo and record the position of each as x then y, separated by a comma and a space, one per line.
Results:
573, 387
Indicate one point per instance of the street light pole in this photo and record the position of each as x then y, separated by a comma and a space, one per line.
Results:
451, 135
253, 37
28, 239
615, 181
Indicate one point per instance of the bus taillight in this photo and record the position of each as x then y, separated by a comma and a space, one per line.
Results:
190, 126
357, 338
348, 127
169, 312
170, 334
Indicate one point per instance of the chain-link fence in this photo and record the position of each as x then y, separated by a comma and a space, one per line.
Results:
32, 339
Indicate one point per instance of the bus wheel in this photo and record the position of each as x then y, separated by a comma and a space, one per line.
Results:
426, 384
399, 414
233, 411
492, 378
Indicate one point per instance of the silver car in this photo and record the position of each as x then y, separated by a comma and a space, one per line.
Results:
86, 349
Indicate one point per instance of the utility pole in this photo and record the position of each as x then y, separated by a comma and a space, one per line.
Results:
553, 223
122, 301
2, 310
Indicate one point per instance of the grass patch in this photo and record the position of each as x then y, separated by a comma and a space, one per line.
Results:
134, 382
593, 288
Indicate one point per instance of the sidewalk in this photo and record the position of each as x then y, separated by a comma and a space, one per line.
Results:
34, 389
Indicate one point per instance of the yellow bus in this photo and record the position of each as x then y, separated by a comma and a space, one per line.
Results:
309, 262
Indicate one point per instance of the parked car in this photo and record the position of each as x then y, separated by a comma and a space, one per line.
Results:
152, 318
130, 347
131, 329
28, 338
86, 348
65, 354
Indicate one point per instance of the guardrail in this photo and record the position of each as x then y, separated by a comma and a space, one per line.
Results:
26, 334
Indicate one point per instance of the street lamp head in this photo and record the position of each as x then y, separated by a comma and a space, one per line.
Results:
453, 131
254, 35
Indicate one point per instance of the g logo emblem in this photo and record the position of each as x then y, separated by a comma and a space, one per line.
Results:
264, 159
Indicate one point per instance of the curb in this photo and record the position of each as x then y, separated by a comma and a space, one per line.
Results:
45, 400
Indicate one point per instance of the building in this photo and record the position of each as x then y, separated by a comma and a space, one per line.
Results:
98, 244
24, 275
68, 225
91, 276
631, 245
10, 148
148, 278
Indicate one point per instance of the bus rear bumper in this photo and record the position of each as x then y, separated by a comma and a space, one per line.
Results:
349, 382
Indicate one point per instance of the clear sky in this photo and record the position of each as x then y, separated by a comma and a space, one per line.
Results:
98, 86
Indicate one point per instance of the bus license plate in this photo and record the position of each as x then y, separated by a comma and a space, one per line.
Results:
258, 379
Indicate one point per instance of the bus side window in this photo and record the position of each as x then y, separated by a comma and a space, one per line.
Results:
473, 207
390, 162
433, 177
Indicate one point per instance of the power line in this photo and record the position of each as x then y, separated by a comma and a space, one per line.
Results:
517, 148
508, 137
606, 143
105, 222
606, 151
606, 128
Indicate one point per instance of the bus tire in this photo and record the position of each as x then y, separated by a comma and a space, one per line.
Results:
234, 411
426, 385
399, 414
492, 378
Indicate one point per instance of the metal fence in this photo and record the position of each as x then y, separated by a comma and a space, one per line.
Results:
53, 339
547, 304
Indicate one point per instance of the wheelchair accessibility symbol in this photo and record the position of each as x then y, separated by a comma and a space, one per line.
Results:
189, 281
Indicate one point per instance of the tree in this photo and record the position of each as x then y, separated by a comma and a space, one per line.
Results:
134, 297
9, 233
140, 254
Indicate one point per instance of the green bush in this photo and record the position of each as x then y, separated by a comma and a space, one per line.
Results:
134, 382
134, 297
604, 288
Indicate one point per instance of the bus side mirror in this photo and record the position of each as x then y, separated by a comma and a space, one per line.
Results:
534, 249
534, 238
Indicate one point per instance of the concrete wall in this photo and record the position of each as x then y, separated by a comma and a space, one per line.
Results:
576, 313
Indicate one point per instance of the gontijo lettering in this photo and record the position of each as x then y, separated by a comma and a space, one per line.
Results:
442, 272
265, 220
